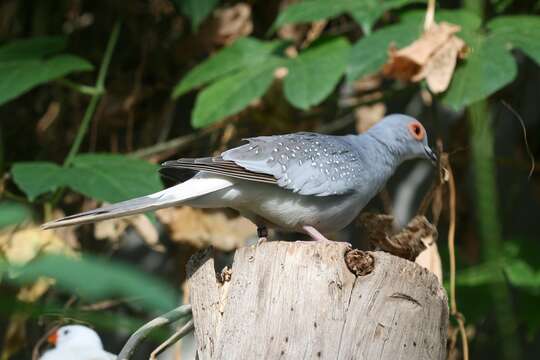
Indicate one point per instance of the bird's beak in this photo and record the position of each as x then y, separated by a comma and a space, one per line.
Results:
431, 155
51, 339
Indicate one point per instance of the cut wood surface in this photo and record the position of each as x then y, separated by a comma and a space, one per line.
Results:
300, 300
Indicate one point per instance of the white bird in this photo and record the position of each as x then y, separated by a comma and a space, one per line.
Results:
76, 342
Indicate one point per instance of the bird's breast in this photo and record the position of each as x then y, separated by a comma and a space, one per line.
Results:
290, 211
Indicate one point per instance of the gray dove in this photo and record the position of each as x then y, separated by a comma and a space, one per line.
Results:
304, 182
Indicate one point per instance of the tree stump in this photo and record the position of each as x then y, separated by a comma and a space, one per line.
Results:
301, 300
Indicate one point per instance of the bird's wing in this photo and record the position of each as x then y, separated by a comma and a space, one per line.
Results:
305, 163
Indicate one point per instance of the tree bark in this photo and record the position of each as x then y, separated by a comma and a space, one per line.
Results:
301, 300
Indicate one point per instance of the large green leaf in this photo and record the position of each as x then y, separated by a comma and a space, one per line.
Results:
522, 275
12, 213
36, 178
521, 32
479, 275
109, 178
27, 63
94, 278
315, 72
245, 52
33, 48
365, 12
196, 10
113, 178
233, 93
468, 21
370, 53
487, 69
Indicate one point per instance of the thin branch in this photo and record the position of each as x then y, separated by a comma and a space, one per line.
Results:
143, 331
430, 15
527, 147
184, 330
451, 249
176, 143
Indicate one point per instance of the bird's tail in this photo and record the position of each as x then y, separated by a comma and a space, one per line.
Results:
190, 189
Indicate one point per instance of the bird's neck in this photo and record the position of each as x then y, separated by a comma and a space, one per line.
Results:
380, 160
380, 152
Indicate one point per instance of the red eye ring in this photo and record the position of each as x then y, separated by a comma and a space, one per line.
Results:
417, 130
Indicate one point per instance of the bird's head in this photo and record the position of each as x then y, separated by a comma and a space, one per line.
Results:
405, 136
75, 337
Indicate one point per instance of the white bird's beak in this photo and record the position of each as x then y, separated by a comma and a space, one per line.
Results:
51, 339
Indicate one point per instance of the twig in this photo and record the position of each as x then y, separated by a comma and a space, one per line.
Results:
522, 123
41, 341
430, 15
176, 143
184, 330
143, 331
451, 249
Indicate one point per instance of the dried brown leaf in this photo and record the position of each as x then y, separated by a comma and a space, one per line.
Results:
202, 228
24, 245
438, 72
432, 56
232, 23
368, 115
430, 258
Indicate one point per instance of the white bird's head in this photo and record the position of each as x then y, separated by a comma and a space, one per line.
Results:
75, 337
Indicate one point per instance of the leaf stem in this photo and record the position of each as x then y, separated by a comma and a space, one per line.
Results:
83, 89
99, 91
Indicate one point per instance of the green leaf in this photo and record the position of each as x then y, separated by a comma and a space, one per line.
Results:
12, 213
469, 21
483, 274
36, 178
113, 178
488, 68
370, 53
94, 278
33, 48
243, 53
522, 275
109, 178
196, 10
521, 32
315, 72
233, 93
307, 11
24, 64
365, 12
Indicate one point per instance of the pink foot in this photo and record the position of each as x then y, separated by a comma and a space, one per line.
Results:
314, 233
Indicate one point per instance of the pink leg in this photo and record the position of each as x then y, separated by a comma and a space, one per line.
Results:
314, 233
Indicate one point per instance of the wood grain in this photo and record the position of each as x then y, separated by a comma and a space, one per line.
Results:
299, 300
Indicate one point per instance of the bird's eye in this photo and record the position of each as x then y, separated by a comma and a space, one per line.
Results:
66, 332
417, 130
